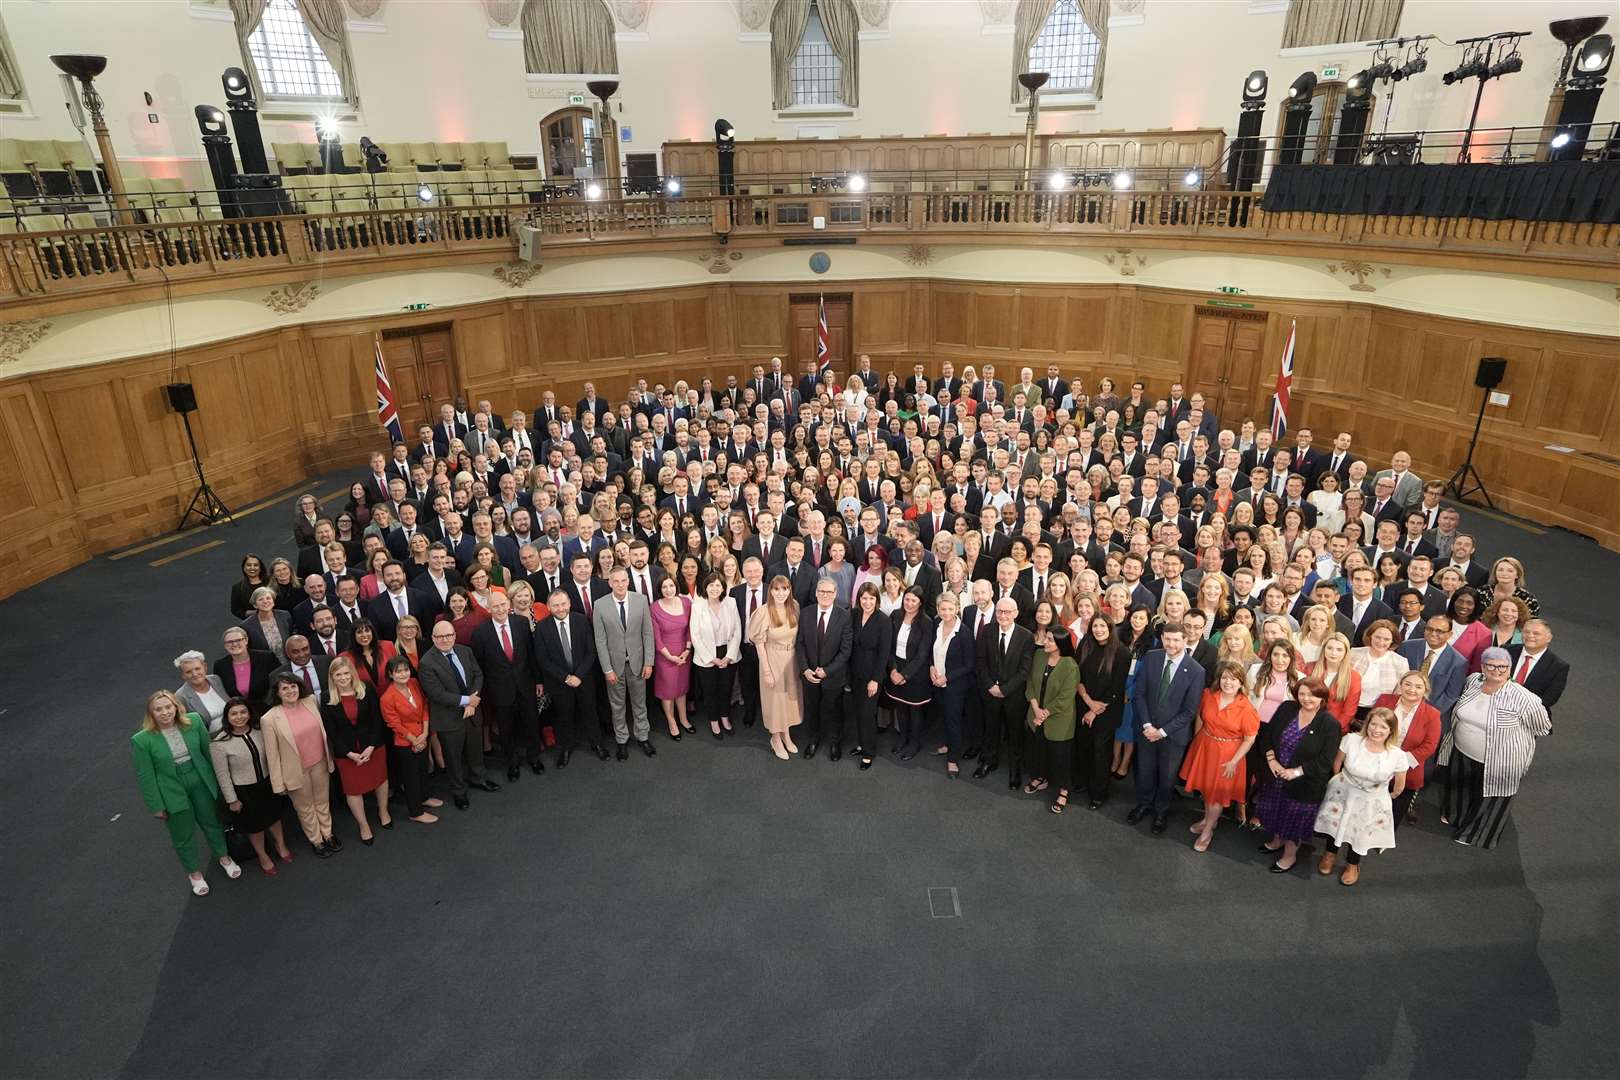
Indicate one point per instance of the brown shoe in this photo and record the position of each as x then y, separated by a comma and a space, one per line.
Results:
1351, 875
1324, 865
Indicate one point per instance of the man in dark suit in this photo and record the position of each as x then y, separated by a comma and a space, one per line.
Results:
325, 638
1005, 652
936, 519
1204, 651
504, 650
800, 574
565, 654
749, 598
821, 654
1462, 560
1360, 607
315, 599
1169, 683
922, 576
1536, 667
452, 682
1415, 542
591, 403
397, 600
1324, 594
447, 430
767, 545
308, 668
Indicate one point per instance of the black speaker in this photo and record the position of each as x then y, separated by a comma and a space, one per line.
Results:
260, 195
1491, 370
182, 398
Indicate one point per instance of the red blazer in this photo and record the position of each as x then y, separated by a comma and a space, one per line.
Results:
1421, 741
1345, 711
402, 719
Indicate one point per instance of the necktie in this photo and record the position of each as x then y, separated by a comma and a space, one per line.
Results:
331, 649
624, 620
585, 599
821, 633
1164, 681
455, 665
399, 606
1040, 584
1411, 547
1001, 652
753, 602
306, 675
567, 648
506, 642
1428, 658
1524, 670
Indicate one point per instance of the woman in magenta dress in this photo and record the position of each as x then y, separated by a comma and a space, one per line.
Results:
672, 661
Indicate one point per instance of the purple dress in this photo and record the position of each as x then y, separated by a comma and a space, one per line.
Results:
671, 632
1281, 816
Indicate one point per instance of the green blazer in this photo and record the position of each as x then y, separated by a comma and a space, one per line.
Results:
1060, 691
161, 786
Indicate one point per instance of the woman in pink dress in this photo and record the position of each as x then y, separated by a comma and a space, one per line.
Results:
672, 660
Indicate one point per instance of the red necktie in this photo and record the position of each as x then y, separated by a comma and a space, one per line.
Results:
506, 642
330, 651
1524, 669
585, 599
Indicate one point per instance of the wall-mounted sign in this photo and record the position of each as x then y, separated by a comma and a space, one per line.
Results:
576, 99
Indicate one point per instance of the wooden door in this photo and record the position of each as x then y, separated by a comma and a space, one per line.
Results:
421, 367
1227, 364
803, 312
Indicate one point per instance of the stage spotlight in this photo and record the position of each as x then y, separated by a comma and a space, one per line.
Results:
1122, 181
326, 127
424, 195
1361, 81
1508, 65
724, 132
857, 183
1254, 87
1560, 140
593, 190
672, 186
1595, 58
1193, 178
1384, 69
1057, 181
1303, 87
1415, 66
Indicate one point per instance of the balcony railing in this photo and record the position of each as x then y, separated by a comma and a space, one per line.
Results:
58, 262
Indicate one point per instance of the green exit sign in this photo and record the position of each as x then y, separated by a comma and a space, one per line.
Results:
1330, 72
576, 99
417, 307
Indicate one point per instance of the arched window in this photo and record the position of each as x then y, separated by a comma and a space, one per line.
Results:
296, 50
815, 54
568, 37
816, 70
1067, 39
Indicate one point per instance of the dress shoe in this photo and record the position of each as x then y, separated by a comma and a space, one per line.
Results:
810, 749
322, 851
599, 750
954, 774
537, 767
907, 753
622, 753
512, 774
1137, 814
986, 767
970, 753
647, 748
334, 844
462, 802
1351, 875
1160, 823
389, 824
1094, 804
1324, 865
1014, 778
728, 732
866, 763
562, 758
719, 736
486, 785
674, 736
835, 753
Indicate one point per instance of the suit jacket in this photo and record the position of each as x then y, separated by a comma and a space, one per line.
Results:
1376, 609
303, 615
812, 650
1547, 679
260, 665
368, 728
1009, 672
1314, 752
594, 585
441, 436
1408, 489
1175, 717
928, 582
552, 665
162, 790
424, 605
1025, 600
323, 664
1446, 672
926, 529
803, 582
282, 762
627, 646
506, 682
443, 691
770, 554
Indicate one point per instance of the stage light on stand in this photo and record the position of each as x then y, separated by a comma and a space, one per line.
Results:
857, 183
725, 149
1243, 164
1296, 117
424, 195
1254, 87
1595, 58
1193, 178
1578, 109
672, 186
1122, 181
593, 190
1056, 181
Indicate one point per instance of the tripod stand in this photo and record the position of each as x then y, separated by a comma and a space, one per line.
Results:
1458, 486
208, 507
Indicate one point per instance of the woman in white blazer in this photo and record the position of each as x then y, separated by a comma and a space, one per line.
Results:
716, 631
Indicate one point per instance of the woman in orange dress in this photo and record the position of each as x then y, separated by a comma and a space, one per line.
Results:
1214, 767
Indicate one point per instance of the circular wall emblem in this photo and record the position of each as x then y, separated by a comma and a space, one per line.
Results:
819, 262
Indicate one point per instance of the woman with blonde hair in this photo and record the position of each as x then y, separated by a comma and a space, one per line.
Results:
1507, 579
358, 739
1316, 625
773, 630
1215, 598
178, 785
1237, 646
1340, 680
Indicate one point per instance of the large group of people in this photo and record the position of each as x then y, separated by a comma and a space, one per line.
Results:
1080, 590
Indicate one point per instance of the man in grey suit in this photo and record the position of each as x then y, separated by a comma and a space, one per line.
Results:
452, 681
622, 625
1408, 485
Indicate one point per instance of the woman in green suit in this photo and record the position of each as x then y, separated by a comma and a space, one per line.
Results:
178, 784
1053, 679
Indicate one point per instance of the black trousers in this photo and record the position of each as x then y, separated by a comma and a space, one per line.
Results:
603, 732
1094, 754
1004, 715
823, 710
748, 674
1054, 761
518, 725
953, 706
862, 708
714, 691
1353, 858
1402, 802
411, 769
572, 707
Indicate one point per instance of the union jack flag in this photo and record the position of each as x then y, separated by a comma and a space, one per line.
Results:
823, 351
1285, 382
387, 414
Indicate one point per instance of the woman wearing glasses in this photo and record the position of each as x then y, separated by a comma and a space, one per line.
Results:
1494, 728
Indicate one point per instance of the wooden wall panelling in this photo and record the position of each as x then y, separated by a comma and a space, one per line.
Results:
1579, 397
1039, 325
995, 325
606, 335
481, 344
760, 320
881, 320
1445, 365
1520, 381
953, 316
690, 318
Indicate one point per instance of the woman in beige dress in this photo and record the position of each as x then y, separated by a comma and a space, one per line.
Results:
773, 630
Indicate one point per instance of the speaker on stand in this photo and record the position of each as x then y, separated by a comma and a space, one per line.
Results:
207, 506
1466, 480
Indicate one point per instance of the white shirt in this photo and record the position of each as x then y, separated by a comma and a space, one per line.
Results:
942, 644
1526, 664
901, 640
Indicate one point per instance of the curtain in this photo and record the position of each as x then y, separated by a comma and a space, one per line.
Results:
1332, 22
788, 21
11, 84
1532, 191
248, 13
325, 21
1096, 14
1028, 22
568, 37
843, 26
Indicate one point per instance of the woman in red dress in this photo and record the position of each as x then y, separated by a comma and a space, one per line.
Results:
355, 732
1214, 767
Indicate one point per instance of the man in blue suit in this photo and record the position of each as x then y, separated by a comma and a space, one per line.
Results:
1444, 665
1168, 684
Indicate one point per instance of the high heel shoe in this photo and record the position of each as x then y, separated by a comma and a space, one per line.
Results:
719, 736
675, 736
368, 840
688, 728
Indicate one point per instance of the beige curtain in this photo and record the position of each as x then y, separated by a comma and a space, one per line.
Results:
568, 37
843, 26
788, 21
325, 21
1028, 22
11, 84
1334, 22
248, 13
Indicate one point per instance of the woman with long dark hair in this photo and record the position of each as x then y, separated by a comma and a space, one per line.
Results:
1105, 667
